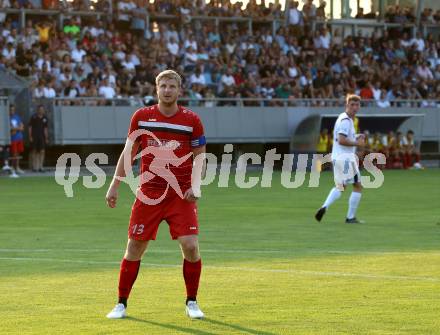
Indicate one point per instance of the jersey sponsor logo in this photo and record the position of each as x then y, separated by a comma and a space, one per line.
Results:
163, 143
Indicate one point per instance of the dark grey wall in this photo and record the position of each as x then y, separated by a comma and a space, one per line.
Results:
4, 123
109, 124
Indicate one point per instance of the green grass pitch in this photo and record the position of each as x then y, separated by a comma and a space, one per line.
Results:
269, 268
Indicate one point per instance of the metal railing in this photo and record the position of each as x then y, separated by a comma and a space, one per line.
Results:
274, 23
238, 102
59, 14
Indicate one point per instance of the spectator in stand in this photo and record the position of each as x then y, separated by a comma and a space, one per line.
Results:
227, 79
346, 64
44, 31
295, 18
383, 101
125, 8
198, 78
309, 12
360, 13
105, 90
320, 11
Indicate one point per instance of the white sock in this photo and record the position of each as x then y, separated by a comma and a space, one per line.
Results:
334, 195
353, 204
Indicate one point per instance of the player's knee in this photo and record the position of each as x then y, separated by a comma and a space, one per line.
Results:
191, 251
135, 250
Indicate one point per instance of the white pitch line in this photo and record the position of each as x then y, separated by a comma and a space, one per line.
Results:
235, 251
238, 268
159, 251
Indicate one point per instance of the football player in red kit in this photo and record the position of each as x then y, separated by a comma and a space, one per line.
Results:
170, 137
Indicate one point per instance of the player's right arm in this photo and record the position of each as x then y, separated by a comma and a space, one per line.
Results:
344, 140
130, 150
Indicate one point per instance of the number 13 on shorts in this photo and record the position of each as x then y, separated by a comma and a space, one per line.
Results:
138, 229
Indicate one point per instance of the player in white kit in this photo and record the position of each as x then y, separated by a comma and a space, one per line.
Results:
345, 162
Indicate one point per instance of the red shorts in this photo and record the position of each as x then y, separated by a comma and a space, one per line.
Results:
17, 147
180, 214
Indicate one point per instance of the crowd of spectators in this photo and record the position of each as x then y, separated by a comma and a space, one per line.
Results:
404, 15
94, 58
182, 8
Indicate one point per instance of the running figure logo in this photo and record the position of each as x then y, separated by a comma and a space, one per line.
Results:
163, 158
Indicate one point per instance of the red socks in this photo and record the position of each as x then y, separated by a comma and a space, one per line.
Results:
191, 274
127, 276
129, 271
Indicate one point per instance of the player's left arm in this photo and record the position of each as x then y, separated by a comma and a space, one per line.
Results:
198, 148
198, 173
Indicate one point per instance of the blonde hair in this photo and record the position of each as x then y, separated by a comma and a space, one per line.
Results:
169, 74
352, 97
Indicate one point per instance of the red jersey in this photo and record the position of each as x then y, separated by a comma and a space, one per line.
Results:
169, 140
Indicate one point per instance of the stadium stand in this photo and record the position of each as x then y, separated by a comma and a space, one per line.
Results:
102, 53
85, 56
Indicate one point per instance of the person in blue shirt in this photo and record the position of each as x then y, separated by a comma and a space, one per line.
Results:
17, 144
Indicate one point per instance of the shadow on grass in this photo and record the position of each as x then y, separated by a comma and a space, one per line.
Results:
237, 327
202, 332
172, 327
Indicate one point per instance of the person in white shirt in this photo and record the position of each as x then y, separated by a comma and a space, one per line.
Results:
292, 69
9, 52
96, 29
345, 163
172, 32
418, 42
49, 91
190, 42
66, 76
108, 74
198, 78
190, 57
383, 101
376, 91
173, 46
128, 64
124, 10
267, 37
39, 90
77, 54
424, 72
119, 54
325, 39
106, 91
44, 60
134, 56
230, 46
4, 4
295, 16
228, 79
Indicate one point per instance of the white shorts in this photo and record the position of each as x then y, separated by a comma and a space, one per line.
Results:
346, 172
